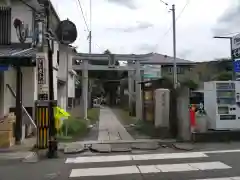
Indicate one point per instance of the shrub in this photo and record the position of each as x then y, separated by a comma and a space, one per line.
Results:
75, 127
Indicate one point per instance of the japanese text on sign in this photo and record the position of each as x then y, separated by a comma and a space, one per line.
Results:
41, 71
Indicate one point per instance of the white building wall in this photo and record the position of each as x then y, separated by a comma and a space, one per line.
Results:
71, 85
28, 86
55, 86
9, 78
56, 70
62, 96
55, 50
71, 77
62, 62
25, 14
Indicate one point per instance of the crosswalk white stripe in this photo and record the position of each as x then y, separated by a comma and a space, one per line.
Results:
161, 168
118, 158
104, 171
222, 178
222, 151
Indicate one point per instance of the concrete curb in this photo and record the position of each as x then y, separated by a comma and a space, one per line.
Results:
86, 143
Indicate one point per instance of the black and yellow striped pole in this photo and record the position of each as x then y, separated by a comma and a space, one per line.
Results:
43, 123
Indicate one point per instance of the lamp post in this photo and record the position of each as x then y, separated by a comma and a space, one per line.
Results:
232, 59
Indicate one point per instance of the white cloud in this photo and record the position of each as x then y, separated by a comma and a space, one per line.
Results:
137, 26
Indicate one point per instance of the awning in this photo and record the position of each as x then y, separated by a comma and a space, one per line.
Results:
17, 56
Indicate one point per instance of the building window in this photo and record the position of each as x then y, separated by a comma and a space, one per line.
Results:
58, 57
170, 70
5, 25
180, 70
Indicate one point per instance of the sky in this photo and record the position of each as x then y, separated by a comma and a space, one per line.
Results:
145, 26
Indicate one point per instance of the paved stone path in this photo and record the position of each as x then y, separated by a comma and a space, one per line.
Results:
110, 128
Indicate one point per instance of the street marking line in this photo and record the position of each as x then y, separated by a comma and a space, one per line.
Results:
144, 169
119, 158
222, 178
70, 160
221, 151
95, 159
209, 165
104, 171
169, 156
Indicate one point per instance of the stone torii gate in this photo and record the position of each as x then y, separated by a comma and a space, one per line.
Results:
133, 68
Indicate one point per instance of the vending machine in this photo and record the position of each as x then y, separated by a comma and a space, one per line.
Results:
222, 104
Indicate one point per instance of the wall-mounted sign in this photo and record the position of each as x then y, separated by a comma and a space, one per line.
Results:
41, 70
236, 42
22, 30
42, 78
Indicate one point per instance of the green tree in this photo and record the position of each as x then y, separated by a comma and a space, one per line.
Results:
190, 84
223, 76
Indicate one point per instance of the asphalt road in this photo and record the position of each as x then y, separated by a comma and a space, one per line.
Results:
174, 166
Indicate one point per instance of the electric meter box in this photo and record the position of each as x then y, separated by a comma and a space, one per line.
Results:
222, 104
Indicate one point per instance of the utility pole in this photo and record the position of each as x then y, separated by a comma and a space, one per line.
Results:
90, 42
90, 29
175, 81
174, 49
52, 147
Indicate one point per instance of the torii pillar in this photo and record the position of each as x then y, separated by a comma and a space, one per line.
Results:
131, 92
138, 93
85, 88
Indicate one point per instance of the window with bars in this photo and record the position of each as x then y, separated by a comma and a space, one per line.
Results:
5, 25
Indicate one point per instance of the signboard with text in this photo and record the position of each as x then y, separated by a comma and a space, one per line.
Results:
42, 78
236, 42
236, 54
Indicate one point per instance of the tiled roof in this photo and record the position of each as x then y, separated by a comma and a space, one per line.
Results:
17, 52
164, 59
150, 58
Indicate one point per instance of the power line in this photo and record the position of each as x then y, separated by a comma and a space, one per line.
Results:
183, 9
83, 15
177, 18
89, 29
163, 2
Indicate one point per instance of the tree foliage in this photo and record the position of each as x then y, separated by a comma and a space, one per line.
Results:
191, 84
223, 76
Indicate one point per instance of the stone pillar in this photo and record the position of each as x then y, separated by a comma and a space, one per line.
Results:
138, 91
85, 88
182, 113
130, 89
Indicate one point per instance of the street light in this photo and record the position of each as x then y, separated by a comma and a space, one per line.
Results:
230, 38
